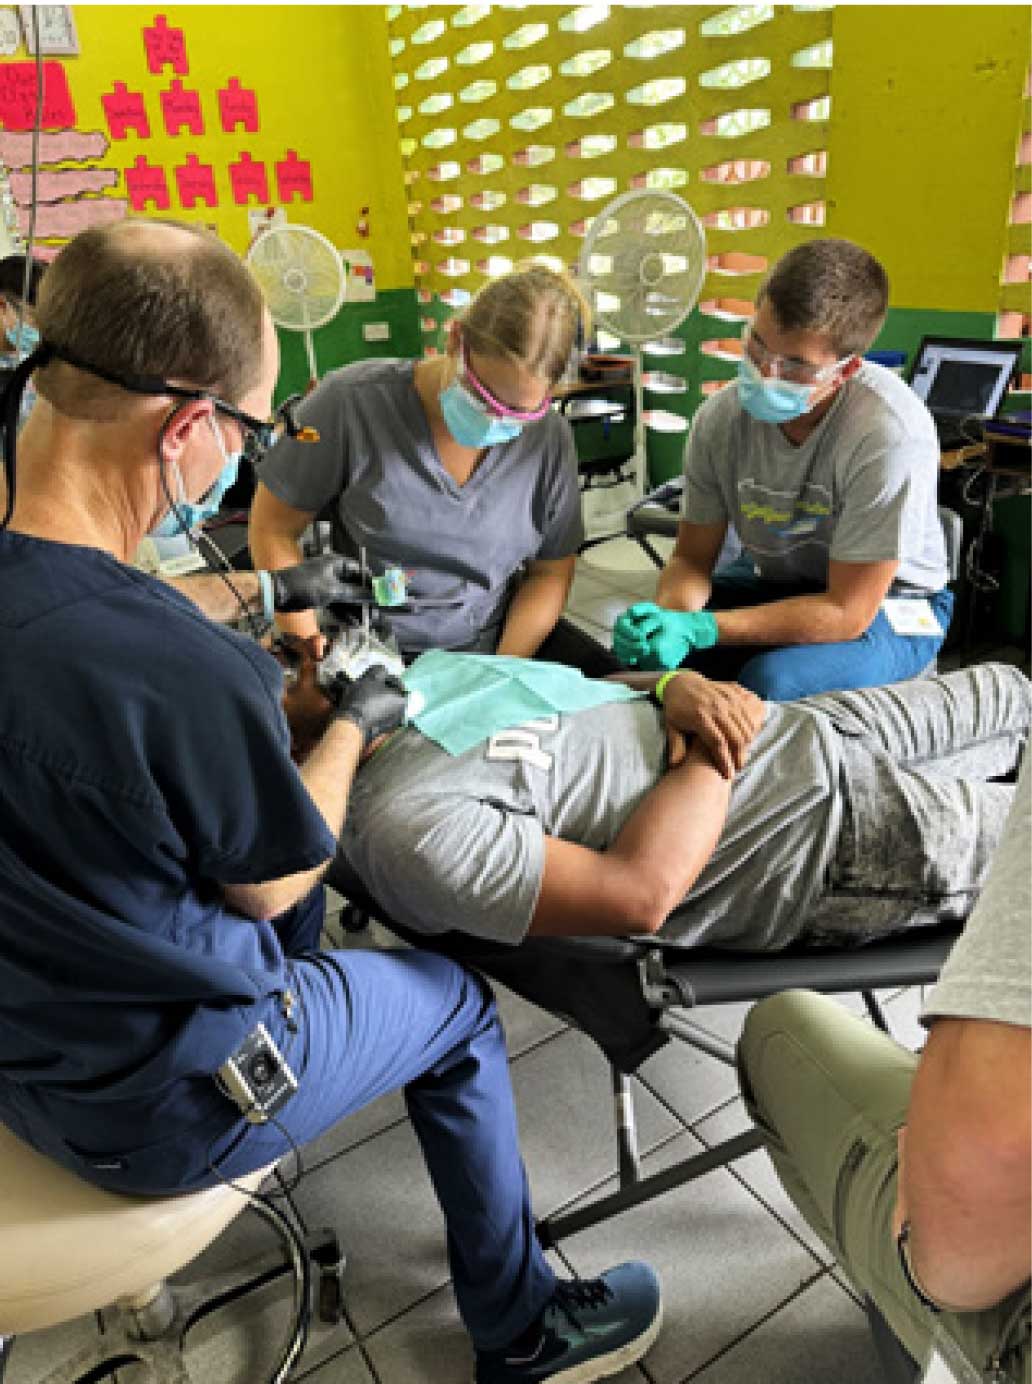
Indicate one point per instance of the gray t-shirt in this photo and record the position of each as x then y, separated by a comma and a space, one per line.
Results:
462, 546
988, 974
445, 842
861, 488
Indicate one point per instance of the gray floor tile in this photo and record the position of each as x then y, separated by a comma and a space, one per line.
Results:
757, 1172
690, 1082
820, 1335
725, 1263
346, 1368
565, 1107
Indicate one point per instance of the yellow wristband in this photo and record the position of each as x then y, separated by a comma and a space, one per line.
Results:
660, 686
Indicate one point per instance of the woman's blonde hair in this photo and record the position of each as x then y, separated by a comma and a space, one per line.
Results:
532, 316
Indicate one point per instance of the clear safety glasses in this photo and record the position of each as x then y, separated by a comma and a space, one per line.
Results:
787, 367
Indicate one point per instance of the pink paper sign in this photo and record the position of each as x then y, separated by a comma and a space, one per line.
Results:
18, 96
124, 111
196, 182
238, 106
146, 182
165, 47
180, 108
248, 179
294, 178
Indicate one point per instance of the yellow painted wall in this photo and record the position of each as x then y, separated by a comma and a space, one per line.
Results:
323, 83
925, 114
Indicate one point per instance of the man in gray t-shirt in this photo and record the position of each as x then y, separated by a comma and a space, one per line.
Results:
848, 816
826, 468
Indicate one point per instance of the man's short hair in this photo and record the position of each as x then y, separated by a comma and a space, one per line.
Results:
150, 298
12, 278
829, 286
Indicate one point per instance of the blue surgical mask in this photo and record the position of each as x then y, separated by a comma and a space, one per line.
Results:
188, 514
771, 401
469, 422
22, 338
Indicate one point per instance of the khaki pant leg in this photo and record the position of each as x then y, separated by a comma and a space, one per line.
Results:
829, 1091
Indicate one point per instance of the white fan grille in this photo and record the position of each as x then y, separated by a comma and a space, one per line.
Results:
300, 274
643, 265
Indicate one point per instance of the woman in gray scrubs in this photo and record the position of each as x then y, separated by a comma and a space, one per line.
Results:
456, 469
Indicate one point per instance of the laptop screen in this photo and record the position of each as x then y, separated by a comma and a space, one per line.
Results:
962, 379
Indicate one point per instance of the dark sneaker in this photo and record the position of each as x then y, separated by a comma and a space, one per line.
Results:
591, 1328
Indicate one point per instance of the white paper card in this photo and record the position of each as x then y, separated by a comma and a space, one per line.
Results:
911, 617
938, 1372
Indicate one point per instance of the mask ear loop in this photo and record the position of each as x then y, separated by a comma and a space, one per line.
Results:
213, 556
10, 407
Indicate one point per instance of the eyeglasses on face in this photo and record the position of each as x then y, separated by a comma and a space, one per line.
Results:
787, 367
259, 434
519, 415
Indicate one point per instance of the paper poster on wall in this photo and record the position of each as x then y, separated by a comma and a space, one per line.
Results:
263, 219
18, 96
248, 179
124, 111
195, 182
181, 109
238, 106
55, 25
10, 33
294, 178
146, 183
165, 47
361, 280
68, 199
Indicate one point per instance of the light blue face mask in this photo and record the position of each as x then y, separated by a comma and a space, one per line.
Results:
771, 401
469, 422
22, 338
189, 514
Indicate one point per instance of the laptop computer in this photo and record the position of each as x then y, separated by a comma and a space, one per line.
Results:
962, 381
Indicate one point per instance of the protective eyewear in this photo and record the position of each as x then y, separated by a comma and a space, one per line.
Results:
518, 415
259, 434
787, 367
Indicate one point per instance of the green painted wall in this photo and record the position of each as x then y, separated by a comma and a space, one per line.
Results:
341, 340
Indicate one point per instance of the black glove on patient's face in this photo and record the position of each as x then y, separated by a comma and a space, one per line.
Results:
321, 581
375, 702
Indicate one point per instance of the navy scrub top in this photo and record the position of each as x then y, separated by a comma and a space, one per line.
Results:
144, 760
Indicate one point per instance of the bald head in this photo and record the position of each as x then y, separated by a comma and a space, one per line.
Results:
151, 298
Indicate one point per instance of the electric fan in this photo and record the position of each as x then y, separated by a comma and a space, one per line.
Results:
642, 268
302, 278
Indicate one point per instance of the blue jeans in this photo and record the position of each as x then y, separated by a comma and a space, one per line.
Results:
370, 1022
878, 657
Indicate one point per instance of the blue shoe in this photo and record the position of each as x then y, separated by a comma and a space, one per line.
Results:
590, 1328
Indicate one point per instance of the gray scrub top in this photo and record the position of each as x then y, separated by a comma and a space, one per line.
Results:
462, 547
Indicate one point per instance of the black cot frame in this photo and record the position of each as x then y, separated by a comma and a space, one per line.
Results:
633, 995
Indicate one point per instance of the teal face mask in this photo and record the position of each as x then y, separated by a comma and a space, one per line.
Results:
22, 338
469, 422
771, 401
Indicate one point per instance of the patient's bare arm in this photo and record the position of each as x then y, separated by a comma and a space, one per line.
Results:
660, 850
723, 715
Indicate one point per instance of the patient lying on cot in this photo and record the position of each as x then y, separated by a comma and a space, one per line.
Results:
716, 819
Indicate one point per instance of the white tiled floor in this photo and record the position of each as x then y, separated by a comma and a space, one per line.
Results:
750, 1292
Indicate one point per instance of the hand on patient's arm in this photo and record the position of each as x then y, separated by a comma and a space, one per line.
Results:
964, 1183
535, 607
724, 716
651, 865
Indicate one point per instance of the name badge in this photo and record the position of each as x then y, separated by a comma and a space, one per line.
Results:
912, 617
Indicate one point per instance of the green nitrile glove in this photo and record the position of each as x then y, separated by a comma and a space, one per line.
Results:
646, 636
631, 632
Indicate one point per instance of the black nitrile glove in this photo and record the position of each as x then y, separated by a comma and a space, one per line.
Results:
375, 702
321, 581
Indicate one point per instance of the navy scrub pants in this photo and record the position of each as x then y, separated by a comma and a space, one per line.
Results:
370, 1022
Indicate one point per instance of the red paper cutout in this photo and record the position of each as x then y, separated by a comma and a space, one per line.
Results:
294, 175
18, 96
124, 111
181, 108
248, 179
238, 106
145, 183
164, 46
196, 182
